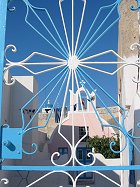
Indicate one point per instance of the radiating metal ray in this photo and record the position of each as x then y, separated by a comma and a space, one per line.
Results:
30, 71
100, 62
31, 7
60, 125
85, 124
97, 30
72, 27
102, 53
14, 50
57, 153
120, 127
97, 173
93, 23
114, 72
73, 129
64, 101
79, 94
100, 36
50, 174
96, 69
61, 78
94, 82
96, 112
97, 95
41, 63
57, 33
64, 26
74, 181
50, 18
26, 17
36, 95
79, 32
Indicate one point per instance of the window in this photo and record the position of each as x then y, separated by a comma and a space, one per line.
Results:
63, 150
82, 132
80, 154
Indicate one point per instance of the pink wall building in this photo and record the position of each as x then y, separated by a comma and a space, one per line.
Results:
85, 124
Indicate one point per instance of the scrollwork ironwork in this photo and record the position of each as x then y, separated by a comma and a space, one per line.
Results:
74, 180
34, 145
23, 64
135, 8
70, 74
11, 9
4, 180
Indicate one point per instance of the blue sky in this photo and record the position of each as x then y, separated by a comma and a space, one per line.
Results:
27, 40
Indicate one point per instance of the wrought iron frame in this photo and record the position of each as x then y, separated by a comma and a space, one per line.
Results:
69, 70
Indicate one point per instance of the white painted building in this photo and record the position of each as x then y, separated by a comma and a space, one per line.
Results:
129, 90
14, 98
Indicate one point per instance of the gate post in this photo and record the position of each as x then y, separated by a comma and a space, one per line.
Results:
3, 14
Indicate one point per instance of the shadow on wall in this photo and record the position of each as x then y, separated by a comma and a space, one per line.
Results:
135, 159
114, 175
19, 96
59, 179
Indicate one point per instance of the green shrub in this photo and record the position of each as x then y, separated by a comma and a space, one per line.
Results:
102, 145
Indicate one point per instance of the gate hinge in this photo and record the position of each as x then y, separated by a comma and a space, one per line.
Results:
11, 143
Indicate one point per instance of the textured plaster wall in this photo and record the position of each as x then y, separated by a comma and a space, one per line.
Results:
128, 28
128, 33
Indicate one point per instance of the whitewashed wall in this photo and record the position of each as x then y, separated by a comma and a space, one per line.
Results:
14, 97
131, 102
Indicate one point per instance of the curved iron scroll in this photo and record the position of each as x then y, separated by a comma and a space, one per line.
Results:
72, 67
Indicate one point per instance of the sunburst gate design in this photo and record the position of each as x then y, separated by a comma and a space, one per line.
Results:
72, 73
